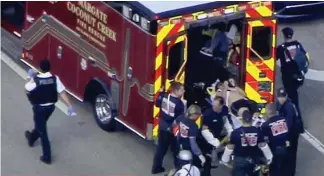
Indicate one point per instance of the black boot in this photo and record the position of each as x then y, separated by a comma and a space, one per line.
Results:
45, 160
157, 170
27, 136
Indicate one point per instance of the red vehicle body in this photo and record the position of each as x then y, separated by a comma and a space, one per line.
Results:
115, 62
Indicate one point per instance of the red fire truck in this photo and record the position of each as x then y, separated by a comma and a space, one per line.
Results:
117, 55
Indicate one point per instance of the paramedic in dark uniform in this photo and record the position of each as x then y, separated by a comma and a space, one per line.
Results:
188, 133
275, 130
171, 107
42, 90
245, 143
213, 122
295, 126
292, 76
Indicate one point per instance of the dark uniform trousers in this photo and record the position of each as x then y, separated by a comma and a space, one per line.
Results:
291, 86
206, 149
244, 167
278, 165
292, 154
166, 138
41, 116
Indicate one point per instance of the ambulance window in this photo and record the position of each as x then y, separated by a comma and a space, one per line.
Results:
175, 59
13, 13
261, 43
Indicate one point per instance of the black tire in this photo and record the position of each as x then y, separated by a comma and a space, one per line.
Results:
102, 106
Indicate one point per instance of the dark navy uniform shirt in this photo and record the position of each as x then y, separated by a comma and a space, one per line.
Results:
289, 111
288, 66
171, 108
276, 129
215, 121
246, 146
187, 128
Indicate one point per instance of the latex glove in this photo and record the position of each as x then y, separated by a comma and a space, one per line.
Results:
269, 162
202, 159
71, 112
224, 163
31, 73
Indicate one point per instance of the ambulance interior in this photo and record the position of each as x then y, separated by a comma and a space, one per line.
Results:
195, 70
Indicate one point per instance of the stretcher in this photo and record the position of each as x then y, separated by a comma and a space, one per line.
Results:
236, 123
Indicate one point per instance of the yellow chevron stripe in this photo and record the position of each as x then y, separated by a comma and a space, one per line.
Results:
180, 39
163, 33
158, 61
264, 11
156, 111
270, 63
274, 41
253, 94
155, 131
253, 70
249, 40
157, 84
256, 23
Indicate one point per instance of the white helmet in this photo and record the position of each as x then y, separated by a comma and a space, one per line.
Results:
185, 155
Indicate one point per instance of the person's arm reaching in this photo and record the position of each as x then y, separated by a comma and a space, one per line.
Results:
158, 101
193, 144
64, 97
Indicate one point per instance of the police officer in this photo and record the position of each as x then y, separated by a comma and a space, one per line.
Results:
213, 122
188, 132
186, 167
275, 130
245, 143
292, 75
42, 90
171, 107
295, 126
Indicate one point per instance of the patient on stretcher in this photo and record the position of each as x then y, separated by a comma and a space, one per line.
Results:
236, 100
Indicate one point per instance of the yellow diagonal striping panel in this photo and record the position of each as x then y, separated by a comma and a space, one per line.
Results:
264, 11
254, 71
157, 84
256, 23
163, 33
158, 61
270, 63
253, 94
156, 111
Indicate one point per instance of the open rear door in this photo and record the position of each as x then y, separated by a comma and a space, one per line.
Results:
260, 55
174, 59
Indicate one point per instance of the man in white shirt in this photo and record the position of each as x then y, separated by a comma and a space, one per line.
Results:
42, 91
187, 168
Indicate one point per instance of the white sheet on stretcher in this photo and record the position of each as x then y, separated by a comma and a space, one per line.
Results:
257, 122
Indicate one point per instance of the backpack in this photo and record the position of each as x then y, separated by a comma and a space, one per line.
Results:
299, 56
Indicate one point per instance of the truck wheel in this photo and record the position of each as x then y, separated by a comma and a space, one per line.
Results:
104, 113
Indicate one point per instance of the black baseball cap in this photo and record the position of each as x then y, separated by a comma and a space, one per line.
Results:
288, 32
247, 116
281, 92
